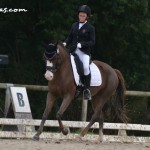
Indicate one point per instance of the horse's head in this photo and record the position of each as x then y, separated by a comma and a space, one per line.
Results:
51, 56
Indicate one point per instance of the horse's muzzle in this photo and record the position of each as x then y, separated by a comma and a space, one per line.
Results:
49, 75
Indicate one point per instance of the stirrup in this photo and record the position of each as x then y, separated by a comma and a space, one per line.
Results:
87, 94
79, 90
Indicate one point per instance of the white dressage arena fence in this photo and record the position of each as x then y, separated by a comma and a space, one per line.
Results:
28, 133
27, 124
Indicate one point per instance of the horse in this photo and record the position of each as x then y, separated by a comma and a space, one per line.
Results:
61, 84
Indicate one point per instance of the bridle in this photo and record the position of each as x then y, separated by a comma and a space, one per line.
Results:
54, 56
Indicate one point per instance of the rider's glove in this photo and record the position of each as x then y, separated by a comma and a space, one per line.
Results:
79, 45
64, 43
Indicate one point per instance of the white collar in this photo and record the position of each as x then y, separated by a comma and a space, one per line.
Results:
81, 24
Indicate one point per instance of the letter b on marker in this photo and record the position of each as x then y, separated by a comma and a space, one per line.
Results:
20, 99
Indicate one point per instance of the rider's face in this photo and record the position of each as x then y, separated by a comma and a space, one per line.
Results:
82, 17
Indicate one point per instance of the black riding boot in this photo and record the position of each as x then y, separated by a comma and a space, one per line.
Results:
86, 92
80, 87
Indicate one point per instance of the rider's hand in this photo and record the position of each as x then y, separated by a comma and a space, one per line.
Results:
79, 45
64, 43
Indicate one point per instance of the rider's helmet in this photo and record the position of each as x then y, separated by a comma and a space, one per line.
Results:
86, 9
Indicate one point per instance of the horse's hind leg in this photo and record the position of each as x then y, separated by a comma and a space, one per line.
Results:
101, 122
99, 110
95, 118
97, 105
49, 104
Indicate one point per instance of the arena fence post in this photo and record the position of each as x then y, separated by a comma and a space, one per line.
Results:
84, 110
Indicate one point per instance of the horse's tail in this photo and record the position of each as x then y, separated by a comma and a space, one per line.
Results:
120, 107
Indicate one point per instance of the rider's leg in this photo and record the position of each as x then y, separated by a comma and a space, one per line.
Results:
80, 87
87, 93
87, 75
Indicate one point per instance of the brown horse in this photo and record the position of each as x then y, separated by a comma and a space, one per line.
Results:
61, 83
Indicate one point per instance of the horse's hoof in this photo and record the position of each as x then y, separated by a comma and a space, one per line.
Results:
79, 138
97, 142
35, 138
66, 131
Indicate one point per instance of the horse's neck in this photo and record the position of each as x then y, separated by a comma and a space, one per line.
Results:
63, 53
65, 64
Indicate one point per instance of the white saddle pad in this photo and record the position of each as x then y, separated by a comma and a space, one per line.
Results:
96, 79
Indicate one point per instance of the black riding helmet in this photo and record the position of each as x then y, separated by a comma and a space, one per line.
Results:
86, 9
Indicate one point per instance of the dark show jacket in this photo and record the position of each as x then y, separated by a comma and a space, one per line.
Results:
85, 35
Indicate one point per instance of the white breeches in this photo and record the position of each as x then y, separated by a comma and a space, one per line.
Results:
85, 60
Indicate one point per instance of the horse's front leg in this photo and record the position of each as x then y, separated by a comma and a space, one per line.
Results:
49, 104
101, 123
65, 103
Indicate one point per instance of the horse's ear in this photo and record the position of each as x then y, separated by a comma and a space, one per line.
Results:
56, 44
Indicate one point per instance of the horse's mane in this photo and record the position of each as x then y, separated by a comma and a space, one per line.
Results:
60, 43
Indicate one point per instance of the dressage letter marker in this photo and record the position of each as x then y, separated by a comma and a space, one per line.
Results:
20, 99
17, 106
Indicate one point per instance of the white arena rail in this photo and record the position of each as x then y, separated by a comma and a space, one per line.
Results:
84, 103
74, 124
28, 133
